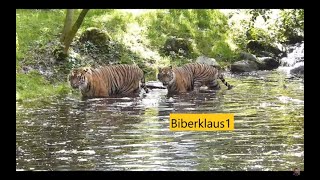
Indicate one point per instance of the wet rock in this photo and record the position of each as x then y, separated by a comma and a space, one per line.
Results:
248, 56
295, 39
261, 49
155, 85
267, 63
207, 60
298, 69
244, 66
265, 54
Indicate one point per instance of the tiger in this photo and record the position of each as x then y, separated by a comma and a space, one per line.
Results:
107, 81
190, 77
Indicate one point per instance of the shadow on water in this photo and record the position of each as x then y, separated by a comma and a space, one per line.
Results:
132, 133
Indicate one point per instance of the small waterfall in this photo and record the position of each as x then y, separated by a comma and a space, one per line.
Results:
294, 62
295, 54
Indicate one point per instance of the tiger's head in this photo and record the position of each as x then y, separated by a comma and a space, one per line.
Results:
166, 75
79, 78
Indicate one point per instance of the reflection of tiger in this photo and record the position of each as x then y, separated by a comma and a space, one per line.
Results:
108, 80
191, 77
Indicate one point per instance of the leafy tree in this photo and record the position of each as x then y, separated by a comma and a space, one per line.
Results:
69, 31
290, 25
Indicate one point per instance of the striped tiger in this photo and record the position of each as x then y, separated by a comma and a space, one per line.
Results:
106, 81
190, 77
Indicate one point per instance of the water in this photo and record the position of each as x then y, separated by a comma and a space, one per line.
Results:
133, 133
295, 54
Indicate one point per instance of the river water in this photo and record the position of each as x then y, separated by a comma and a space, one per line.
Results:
129, 133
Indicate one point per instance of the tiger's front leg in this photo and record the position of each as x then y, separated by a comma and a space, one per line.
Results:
196, 86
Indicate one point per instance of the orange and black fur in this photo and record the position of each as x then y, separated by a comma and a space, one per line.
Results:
191, 77
108, 80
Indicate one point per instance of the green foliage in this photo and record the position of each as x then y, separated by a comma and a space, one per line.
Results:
34, 85
139, 39
18, 54
246, 28
222, 52
290, 25
204, 27
264, 13
17, 42
37, 27
112, 21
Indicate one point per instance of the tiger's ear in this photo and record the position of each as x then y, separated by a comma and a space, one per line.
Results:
159, 69
86, 69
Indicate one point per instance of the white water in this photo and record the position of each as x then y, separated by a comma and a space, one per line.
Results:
295, 54
294, 58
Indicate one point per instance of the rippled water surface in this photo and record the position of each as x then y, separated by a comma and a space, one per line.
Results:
133, 133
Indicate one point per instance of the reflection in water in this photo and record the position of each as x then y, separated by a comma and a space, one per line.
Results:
133, 133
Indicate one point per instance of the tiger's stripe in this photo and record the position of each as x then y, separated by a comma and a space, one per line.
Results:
191, 77
108, 80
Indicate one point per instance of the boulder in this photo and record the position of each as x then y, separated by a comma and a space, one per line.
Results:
298, 69
244, 66
248, 56
207, 60
260, 48
267, 63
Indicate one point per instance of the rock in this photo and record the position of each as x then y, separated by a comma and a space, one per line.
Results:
267, 63
248, 56
207, 60
177, 45
295, 39
298, 69
244, 66
260, 48
265, 54
155, 85
280, 46
95, 36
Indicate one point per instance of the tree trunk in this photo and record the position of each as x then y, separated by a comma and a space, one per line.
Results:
67, 24
70, 35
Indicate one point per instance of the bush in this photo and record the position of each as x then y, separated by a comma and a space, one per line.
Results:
207, 29
290, 25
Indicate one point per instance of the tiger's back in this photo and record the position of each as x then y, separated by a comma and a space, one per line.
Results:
191, 77
111, 80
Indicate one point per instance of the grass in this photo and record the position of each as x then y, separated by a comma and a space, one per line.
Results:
205, 28
36, 27
33, 85
138, 38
